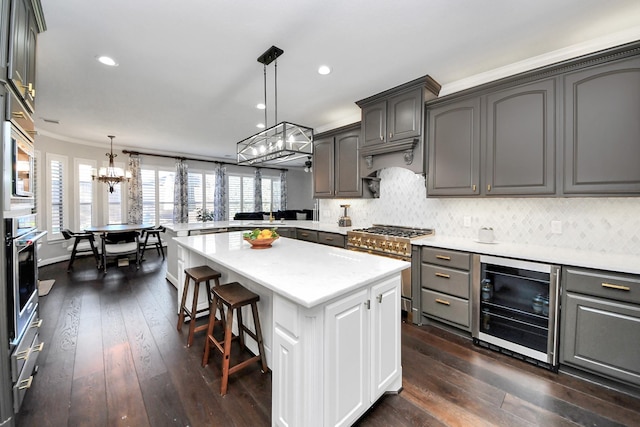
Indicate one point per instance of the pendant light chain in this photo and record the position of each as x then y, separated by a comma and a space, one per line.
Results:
275, 80
265, 95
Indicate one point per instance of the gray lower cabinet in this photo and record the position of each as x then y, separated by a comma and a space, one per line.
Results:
332, 239
445, 281
600, 329
602, 129
336, 165
308, 235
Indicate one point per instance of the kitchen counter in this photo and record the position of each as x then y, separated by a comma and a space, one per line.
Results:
200, 228
186, 229
623, 263
331, 327
285, 268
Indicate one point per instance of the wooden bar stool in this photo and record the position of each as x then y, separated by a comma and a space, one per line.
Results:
234, 296
202, 273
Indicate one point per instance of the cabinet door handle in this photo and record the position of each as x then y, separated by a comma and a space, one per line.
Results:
442, 301
329, 239
23, 355
444, 257
380, 298
367, 304
36, 324
390, 135
488, 187
39, 347
618, 287
473, 187
25, 384
444, 276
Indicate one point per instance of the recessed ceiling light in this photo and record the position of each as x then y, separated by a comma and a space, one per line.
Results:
260, 125
106, 60
261, 106
324, 70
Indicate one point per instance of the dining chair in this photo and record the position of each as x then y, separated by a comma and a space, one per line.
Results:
152, 237
83, 244
117, 245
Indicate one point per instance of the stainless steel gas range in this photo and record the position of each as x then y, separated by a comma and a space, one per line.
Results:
394, 242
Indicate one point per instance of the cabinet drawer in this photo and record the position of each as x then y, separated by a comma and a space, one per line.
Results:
602, 336
331, 239
447, 280
621, 287
308, 235
23, 383
447, 258
447, 307
23, 349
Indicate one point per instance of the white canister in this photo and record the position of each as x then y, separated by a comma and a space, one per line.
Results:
485, 235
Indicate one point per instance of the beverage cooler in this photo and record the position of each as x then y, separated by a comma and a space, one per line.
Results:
516, 309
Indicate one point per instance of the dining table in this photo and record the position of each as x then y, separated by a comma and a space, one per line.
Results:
103, 230
117, 228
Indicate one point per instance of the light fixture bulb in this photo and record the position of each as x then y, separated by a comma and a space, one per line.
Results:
260, 125
261, 106
324, 70
106, 60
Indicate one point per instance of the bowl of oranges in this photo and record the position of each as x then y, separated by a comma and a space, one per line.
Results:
261, 239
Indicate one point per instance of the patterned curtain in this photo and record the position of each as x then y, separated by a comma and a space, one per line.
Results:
181, 194
283, 190
134, 193
257, 192
220, 195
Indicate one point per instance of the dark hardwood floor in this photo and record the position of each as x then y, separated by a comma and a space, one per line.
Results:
113, 357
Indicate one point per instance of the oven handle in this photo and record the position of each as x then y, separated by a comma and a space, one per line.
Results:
23, 243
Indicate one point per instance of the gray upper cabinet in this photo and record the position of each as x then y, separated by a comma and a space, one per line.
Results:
323, 167
602, 129
570, 129
4, 38
454, 149
374, 123
336, 171
520, 140
348, 182
24, 29
507, 147
396, 118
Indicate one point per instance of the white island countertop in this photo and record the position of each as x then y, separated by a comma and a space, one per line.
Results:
306, 273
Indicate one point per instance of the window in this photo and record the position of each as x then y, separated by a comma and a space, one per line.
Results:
241, 197
149, 186
201, 190
57, 194
166, 181
114, 202
270, 194
157, 196
85, 193
240, 194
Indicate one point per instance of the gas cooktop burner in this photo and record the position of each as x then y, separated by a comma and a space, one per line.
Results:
397, 231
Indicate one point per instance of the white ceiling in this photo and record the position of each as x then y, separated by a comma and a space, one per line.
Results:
188, 79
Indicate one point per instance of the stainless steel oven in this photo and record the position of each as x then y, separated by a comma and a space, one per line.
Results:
21, 266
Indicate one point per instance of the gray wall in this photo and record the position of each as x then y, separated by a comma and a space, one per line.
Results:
299, 183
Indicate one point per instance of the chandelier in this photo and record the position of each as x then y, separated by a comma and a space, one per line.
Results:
284, 141
111, 175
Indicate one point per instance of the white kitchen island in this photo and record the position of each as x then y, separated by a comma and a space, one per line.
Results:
330, 318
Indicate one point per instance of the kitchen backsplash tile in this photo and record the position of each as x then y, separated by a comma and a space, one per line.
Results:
601, 224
